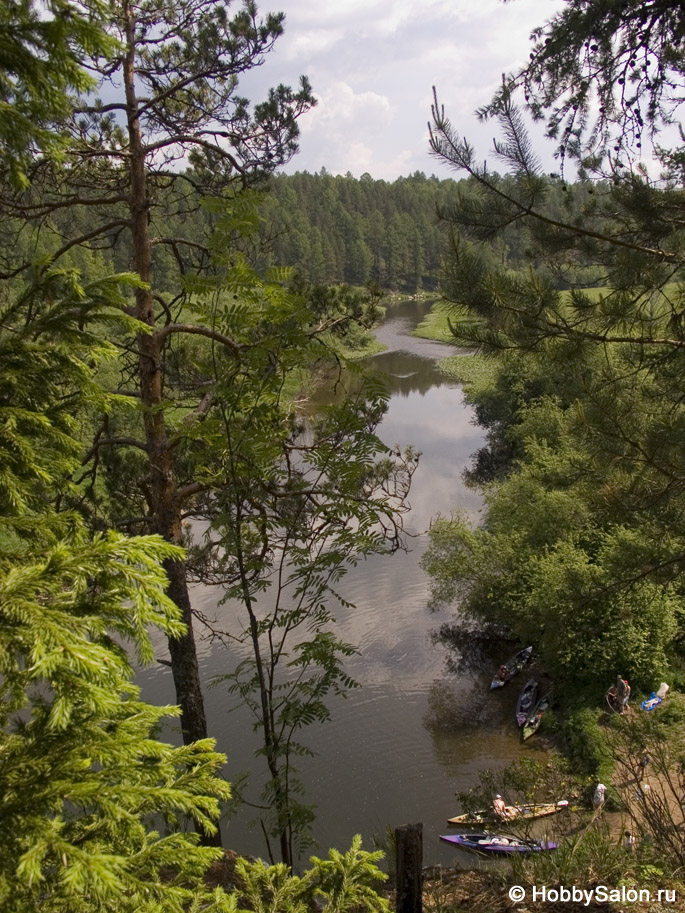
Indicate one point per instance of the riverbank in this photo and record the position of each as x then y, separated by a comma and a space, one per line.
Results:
475, 373
448, 890
436, 324
392, 297
515, 887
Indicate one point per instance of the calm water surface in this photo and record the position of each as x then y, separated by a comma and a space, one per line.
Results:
380, 761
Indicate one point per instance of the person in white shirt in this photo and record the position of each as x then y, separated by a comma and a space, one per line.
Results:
599, 797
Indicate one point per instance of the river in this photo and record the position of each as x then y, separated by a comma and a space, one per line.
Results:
380, 762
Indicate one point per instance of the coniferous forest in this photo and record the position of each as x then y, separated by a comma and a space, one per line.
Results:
171, 302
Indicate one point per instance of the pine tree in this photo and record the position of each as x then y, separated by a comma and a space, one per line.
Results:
81, 772
176, 69
40, 65
598, 452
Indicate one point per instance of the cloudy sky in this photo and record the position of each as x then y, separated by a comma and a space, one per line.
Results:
372, 64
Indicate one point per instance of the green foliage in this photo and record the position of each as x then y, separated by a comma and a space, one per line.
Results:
585, 742
542, 568
51, 344
296, 500
81, 773
581, 552
339, 229
345, 880
271, 889
524, 782
624, 57
438, 323
343, 883
42, 47
592, 857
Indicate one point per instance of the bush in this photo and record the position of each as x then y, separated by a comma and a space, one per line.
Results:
585, 743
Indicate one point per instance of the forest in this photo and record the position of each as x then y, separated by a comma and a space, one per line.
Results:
331, 229
168, 298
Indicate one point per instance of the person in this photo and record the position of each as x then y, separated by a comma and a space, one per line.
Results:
499, 807
663, 690
502, 673
630, 842
626, 696
642, 765
612, 698
599, 797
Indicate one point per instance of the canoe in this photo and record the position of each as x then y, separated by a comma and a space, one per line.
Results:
512, 813
511, 668
497, 843
526, 701
530, 727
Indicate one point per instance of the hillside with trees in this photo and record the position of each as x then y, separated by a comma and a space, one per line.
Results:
139, 391
343, 229
331, 229
582, 552
156, 321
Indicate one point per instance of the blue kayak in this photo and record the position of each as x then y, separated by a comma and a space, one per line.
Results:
497, 843
651, 702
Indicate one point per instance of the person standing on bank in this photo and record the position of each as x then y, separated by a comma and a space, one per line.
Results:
599, 797
642, 764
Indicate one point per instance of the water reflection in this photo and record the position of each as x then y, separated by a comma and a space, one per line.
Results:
406, 373
382, 760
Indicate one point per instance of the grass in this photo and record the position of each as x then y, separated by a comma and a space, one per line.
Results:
435, 325
362, 349
476, 372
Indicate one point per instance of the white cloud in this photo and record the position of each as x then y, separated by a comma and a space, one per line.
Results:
339, 104
310, 42
359, 158
347, 131
372, 64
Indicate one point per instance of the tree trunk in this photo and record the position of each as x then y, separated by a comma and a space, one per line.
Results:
184, 659
162, 483
409, 862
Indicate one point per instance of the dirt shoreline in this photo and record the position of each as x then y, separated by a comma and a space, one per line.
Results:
448, 890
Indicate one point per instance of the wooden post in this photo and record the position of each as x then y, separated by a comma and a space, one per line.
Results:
409, 861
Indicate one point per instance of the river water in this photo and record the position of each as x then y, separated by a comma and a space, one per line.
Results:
382, 761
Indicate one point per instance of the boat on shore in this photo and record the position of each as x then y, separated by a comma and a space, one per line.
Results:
526, 701
511, 813
532, 723
511, 668
497, 843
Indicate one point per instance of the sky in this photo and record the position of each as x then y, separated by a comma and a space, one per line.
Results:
372, 65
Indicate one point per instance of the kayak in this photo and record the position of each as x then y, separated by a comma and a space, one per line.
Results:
511, 813
526, 701
497, 843
511, 668
530, 727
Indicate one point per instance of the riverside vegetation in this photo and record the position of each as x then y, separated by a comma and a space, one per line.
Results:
581, 389
150, 349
